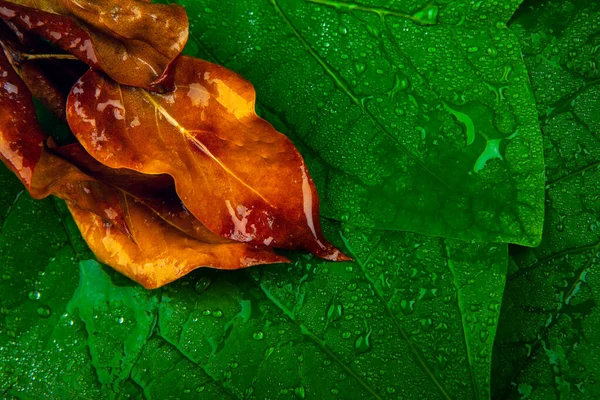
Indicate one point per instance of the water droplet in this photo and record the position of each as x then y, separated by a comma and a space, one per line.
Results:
346, 335
363, 343
258, 335
120, 320
44, 311
473, 49
202, 284
335, 391
335, 311
35, 295
484, 334
268, 352
360, 68
206, 312
427, 15
200, 389
407, 306
300, 392
217, 313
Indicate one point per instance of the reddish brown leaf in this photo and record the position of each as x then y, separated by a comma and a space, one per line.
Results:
21, 139
22, 150
235, 173
133, 41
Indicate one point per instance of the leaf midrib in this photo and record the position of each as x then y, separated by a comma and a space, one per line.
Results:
186, 133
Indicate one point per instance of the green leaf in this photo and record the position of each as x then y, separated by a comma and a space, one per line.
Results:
549, 334
420, 116
405, 320
414, 317
66, 327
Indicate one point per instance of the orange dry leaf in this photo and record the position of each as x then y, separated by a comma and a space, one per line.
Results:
159, 253
233, 171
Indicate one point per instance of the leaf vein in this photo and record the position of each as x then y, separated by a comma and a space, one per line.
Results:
344, 87
419, 360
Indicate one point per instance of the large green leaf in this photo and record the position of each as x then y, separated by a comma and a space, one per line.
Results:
66, 329
413, 317
549, 335
420, 116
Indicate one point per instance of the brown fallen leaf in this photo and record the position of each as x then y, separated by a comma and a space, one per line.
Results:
21, 138
160, 253
123, 233
133, 41
233, 171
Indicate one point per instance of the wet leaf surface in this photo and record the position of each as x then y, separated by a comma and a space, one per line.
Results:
549, 337
415, 117
311, 329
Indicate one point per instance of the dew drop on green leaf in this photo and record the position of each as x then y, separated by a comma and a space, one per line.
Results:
44, 311
35, 295
202, 284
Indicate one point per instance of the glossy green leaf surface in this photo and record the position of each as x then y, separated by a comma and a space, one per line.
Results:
549, 334
420, 116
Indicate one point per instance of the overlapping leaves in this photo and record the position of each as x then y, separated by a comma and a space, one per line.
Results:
419, 116
363, 89
118, 37
548, 342
198, 147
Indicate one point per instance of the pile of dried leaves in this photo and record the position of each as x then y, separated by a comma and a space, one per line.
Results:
173, 169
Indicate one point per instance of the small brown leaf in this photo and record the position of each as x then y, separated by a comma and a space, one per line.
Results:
22, 150
235, 173
133, 41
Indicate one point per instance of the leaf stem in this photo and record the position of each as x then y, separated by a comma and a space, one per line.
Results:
29, 57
